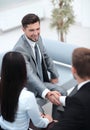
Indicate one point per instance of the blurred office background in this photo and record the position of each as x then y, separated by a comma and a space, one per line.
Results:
12, 11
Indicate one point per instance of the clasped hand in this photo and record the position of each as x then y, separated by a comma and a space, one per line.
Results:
53, 96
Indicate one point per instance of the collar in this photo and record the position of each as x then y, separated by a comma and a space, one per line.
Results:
81, 84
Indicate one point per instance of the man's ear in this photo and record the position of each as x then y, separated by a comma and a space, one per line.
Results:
23, 29
73, 70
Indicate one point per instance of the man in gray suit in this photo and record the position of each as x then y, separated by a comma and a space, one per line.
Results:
38, 81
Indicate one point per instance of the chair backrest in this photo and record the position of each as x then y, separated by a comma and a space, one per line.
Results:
59, 51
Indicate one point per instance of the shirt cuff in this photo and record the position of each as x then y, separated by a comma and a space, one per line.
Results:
62, 100
44, 93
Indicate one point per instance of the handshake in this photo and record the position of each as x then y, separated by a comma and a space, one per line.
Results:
53, 97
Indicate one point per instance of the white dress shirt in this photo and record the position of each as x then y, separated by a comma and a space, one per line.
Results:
63, 98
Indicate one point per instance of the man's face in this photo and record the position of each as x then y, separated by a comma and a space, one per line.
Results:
32, 31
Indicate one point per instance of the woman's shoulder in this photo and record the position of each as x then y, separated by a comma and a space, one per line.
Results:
26, 94
26, 99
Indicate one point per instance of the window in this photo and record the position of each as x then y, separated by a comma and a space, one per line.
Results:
5, 4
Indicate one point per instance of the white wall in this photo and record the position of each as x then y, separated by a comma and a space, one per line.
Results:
86, 13
81, 10
11, 17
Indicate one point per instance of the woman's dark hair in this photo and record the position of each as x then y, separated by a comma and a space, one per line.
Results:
29, 19
13, 79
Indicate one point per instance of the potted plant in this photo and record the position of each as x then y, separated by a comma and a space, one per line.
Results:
62, 17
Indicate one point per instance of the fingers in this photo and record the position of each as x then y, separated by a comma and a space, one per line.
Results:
54, 80
54, 100
55, 93
53, 96
48, 117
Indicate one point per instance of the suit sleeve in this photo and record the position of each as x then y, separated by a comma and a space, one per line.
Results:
48, 62
72, 118
33, 112
34, 84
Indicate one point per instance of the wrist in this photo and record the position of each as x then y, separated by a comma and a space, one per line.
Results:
44, 93
48, 95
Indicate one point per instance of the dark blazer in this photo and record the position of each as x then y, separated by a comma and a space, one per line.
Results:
34, 83
77, 111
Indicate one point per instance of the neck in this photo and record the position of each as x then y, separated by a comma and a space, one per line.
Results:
80, 80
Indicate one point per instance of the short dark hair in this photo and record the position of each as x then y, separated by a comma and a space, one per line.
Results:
81, 61
13, 79
29, 19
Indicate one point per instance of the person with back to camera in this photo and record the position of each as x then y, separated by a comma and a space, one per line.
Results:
18, 105
76, 115
38, 80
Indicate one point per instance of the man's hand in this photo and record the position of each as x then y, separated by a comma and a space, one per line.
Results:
53, 81
47, 116
53, 96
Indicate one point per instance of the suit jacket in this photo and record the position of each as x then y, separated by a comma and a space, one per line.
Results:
77, 111
34, 83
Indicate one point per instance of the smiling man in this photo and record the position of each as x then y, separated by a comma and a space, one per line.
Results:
38, 62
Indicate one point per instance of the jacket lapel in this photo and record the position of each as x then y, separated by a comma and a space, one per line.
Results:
29, 49
44, 67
